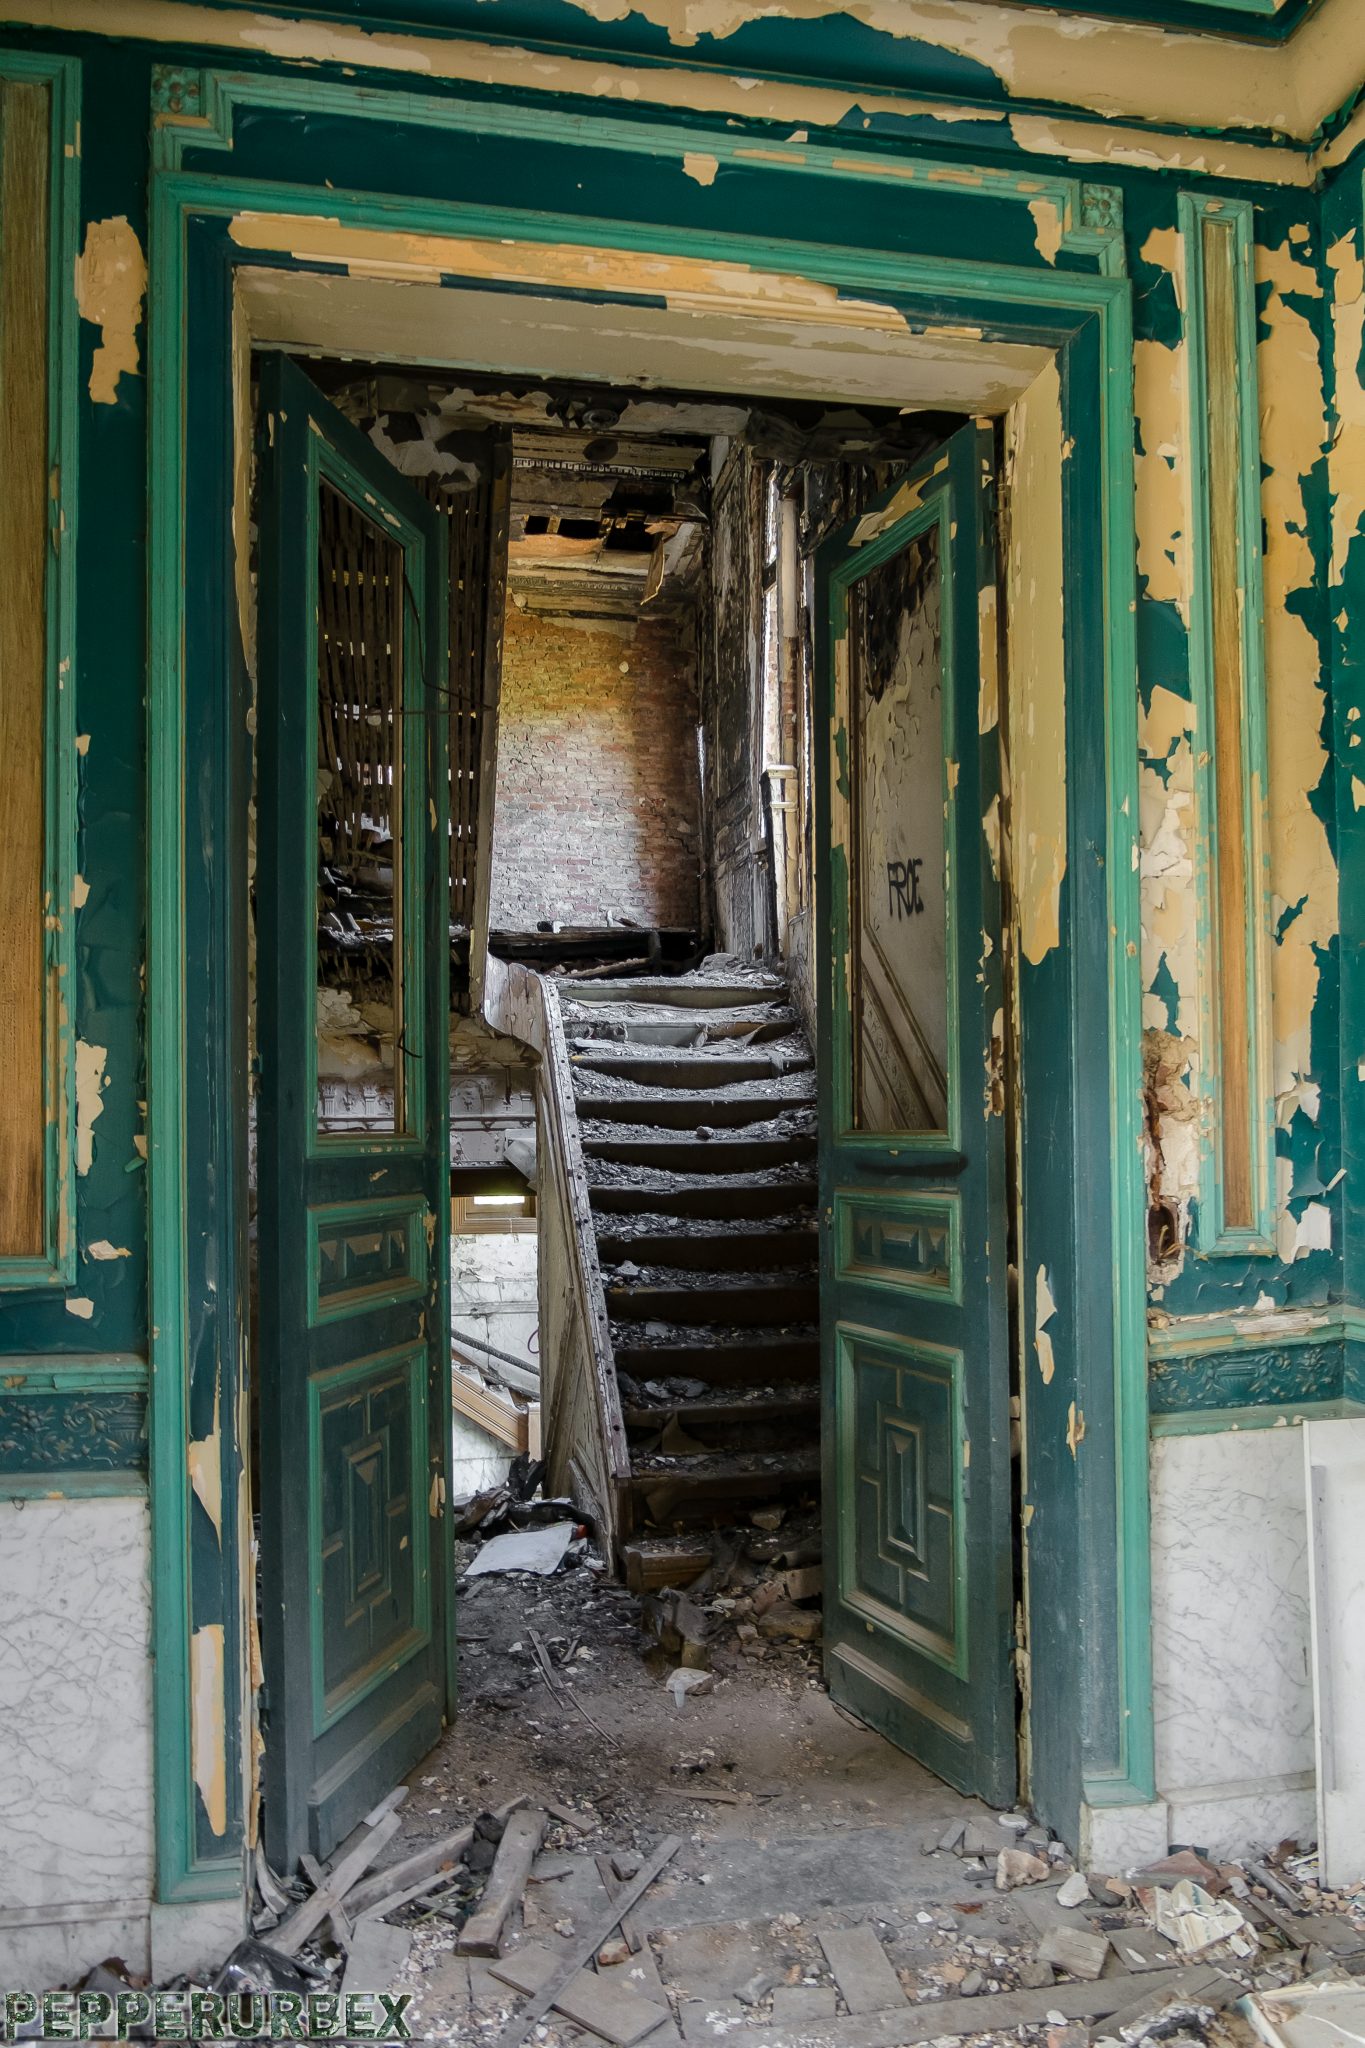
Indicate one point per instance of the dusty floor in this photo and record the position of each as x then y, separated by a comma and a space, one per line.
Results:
795, 1822
789, 1810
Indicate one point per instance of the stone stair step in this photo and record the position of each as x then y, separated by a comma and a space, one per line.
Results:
683, 992
717, 1483
716, 1201
703, 1155
760, 1361
764, 1303
678, 1032
688, 1112
698, 1069
795, 1402
706, 1251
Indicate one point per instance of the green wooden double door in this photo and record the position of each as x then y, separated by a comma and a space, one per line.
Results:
914, 1260
352, 973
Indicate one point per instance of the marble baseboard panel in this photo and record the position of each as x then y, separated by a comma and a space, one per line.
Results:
192, 1940
1232, 1682
54, 1953
76, 1786
1242, 1819
1119, 1838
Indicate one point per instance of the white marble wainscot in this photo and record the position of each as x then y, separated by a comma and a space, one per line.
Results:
76, 1753
1232, 1680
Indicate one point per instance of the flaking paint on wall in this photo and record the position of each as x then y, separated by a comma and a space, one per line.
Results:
208, 1733
111, 280
682, 283
205, 1459
1160, 399
1346, 455
1044, 1309
90, 1084
1037, 660
1114, 68
1303, 873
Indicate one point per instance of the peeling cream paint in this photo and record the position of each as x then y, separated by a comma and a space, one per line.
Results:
90, 1083
205, 1456
208, 1732
1287, 271
683, 283
1166, 828
1305, 73
1160, 400
988, 698
1346, 456
80, 892
1123, 69
1208, 156
908, 498
1047, 228
111, 278
79, 1305
102, 1249
1075, 1428
1044, 1309
1164, 249
703, 168
1036, 626
1302, 869
990, 825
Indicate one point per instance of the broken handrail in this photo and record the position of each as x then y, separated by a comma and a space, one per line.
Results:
513, 1372
525, 1005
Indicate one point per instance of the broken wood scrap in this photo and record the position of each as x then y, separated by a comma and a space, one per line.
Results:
585, 1947
859, 1966
423, 1863
1200, 1984
482, 1932
562, 1690
292, 1932
570, 1817
611, 1884
375, 1955
617, 2014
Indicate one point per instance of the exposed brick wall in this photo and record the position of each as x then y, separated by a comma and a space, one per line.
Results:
597, 799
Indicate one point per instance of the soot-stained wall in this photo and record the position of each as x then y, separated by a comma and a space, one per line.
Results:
597, 791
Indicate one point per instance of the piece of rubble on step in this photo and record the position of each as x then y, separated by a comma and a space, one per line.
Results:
1079, 1951
1020, 1866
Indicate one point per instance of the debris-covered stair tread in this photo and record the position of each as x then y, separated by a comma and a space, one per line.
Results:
695, 1098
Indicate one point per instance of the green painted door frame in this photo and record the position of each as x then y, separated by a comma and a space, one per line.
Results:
834, 214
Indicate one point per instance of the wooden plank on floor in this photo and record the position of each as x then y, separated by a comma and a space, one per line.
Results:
865, 1978
951, 2018
611, 2010
482, 1932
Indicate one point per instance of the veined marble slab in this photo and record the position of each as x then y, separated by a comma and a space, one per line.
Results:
75, 1703
1334, 1469
1230, 1632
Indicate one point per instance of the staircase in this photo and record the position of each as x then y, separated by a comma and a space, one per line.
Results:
695, 1098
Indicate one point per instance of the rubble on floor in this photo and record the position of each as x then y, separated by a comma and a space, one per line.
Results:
589, 1859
